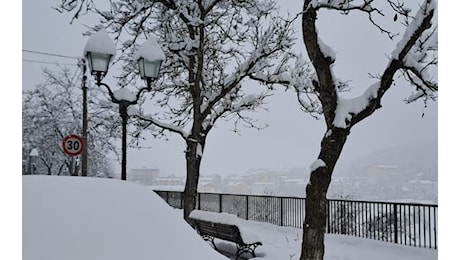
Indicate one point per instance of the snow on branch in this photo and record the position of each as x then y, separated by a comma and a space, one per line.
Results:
152, 121
417, 51
414, 56
347, 108
342, 5
265, 64
317, 164
233, 105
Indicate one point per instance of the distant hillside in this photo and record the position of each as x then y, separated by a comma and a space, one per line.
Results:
408, 173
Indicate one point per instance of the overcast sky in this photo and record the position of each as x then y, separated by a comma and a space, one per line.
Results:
293, 137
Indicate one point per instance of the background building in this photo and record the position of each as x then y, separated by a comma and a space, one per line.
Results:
143, 176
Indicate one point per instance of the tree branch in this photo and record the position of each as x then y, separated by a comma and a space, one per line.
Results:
414, 32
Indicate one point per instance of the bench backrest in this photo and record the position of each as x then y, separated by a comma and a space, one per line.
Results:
218, 230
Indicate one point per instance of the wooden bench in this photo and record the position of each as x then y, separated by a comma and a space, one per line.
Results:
225, 231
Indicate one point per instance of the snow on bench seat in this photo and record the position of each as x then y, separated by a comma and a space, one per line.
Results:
227, 227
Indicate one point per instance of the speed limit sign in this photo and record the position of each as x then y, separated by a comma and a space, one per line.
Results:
72, 145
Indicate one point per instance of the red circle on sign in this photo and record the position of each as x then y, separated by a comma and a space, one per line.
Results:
72, 145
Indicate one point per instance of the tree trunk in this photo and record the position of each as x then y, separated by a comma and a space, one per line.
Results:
193, 174
314, 226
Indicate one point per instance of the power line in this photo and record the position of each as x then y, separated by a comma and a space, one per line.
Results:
74, 77
51, 54
47, 62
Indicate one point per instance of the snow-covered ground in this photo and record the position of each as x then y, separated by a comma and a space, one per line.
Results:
75, 218
91, 218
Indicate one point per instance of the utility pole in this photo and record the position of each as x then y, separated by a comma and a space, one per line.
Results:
84, 156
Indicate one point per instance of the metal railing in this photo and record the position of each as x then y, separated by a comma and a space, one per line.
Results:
409, 224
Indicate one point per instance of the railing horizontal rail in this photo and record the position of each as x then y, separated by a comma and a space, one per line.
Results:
411, 224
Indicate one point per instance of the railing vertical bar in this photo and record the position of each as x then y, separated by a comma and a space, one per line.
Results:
336, 207
405, 226
367, 220
220, 202
288, 210
376, 217
347, 217
380, 224
395, 222
398, 223
338, 216
429, 225
355, 212
247, 207
350, 216
293, 209
361, 219
293, 206
356, 219
435, 228
373, 216
296, 219
345, 220
333, 222
419, 238
383, 219
294, 214
415, 232
409, 225
424, 226
302, 210
388, 221
343, 217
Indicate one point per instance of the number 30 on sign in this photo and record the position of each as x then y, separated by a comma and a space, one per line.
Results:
72, 145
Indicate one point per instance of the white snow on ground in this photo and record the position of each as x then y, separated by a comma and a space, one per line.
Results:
284, 243
90, 218
76, 218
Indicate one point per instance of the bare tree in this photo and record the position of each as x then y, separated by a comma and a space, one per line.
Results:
53, 110
214, 48
414, 57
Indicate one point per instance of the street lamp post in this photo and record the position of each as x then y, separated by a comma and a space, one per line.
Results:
99, 51
32, 160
